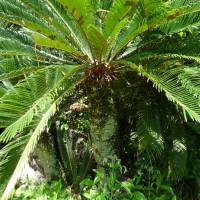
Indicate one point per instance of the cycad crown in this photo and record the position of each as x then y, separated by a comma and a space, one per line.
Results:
48, 47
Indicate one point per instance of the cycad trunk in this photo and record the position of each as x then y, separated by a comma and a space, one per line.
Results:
103, 127
42, 164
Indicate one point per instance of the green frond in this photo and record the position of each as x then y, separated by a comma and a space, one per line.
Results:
81, 10
23, 71
3, 90
21, 44
153, 56
22, 36
119, 10
12, 47
12, 63
20, 72
15, 12
189, 78
40, 9
9, 47
181, 23
67, 156
37, 24
186, 45
101, 6
146, 17
167, 81
75, 31
9, 156
41, 40
190, 16
97, 42
29, 147
100, 10
34, 94
42, 110
112, 39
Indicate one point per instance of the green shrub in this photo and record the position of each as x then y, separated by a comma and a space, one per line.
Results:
44, 191
106, 185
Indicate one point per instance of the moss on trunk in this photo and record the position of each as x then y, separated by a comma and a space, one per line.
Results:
103, 126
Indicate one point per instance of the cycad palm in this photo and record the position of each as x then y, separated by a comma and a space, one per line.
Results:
65, 44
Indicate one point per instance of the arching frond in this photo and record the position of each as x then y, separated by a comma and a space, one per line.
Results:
41, 9
12, 63
189, 79
35, 94
77, 35
9, 156
42, 108
168, 83
186, 45
19, 46
149, 56
180, 24
14, 48
28, 149
20, 72
146, 18
15, 12
191, 17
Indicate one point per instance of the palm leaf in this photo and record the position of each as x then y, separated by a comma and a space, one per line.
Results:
9, 156
146, 18
119, 10
167, 56
168, 83
27, 151
44, 112
77, 35
15, 12
33, 97
40, 9
20, 72
81, 10
52, 42
97, 42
